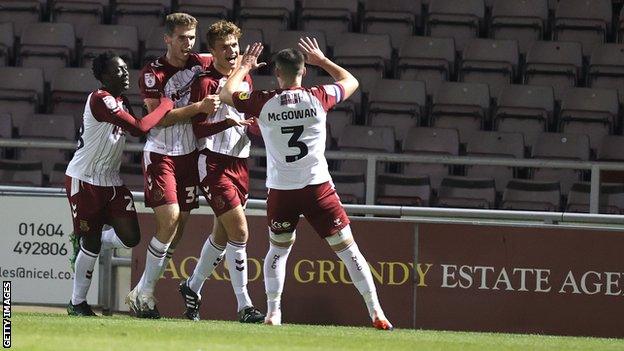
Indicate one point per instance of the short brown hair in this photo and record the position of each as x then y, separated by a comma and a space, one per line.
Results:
221, 30
179, 19
290, 62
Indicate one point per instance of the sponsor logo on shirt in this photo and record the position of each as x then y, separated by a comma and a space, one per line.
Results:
244, 95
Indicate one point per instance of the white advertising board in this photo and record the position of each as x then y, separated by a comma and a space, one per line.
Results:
35, 250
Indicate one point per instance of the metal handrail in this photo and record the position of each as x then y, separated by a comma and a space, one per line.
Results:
373, 158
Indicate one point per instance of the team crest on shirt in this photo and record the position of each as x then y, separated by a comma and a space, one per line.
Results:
218, 201
244, 95
158, 194
150, 79
84, 225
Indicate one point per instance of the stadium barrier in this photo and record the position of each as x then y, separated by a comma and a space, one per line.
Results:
435, 268
372, 158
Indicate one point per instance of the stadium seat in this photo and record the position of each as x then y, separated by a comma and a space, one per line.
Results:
430, 141
611, 198
351, 187
463, 106
399, 104
589, 111
132, 176
489, 61
142, 14
366, 56
574, 147
556, 64
397, 18
620, 30
57, 176
207, 12
364, 139
21, 13
21, 91
403, 190
21, 173
466, 192
611, 148
461, 20
80, 13
265, 82
257, 183
45, 127
249, 37
70, 88
525, 21
525, 109
606, 68
532, 196
332, 17
155, 45
6, 43
586, 22
431, 60
347, 108
48, 46
121, 39
6, 130
290, 39
495, 144
271, 16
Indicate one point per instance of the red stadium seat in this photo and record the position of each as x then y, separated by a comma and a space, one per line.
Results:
351, 187
60, 127
397, 18
492, 62
564, 147
80, 13
525, 21
555, 64
366, 56
463, 106
589, 111
21, 91
461, 20
21, 13
611, 148
70, 88
207, 12
6, 43
611, 198
586, 22
48, 46
430, 141
21, 173
431, 60
123, 40
465, 192
532, 196
606, 68
403, 190
142, 14
525, 109
332, 17
495, 144
364, 139
399, 104
155, 45
271, 16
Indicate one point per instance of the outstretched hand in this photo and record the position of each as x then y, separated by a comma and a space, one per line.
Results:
239, 123
310, 47
251, 55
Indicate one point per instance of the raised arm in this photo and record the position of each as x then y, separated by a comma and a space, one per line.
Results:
249, 62
106, 110
316, 57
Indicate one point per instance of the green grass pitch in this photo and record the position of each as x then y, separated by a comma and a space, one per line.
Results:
41, 331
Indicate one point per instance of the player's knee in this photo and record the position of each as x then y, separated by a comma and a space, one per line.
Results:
238, 234
282, 239
341, 239
91, 243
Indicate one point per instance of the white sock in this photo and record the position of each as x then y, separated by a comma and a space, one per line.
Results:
360, 274
236, 258
274, 276
165, 262
154, 261
83, 271
211, 256
110, 240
